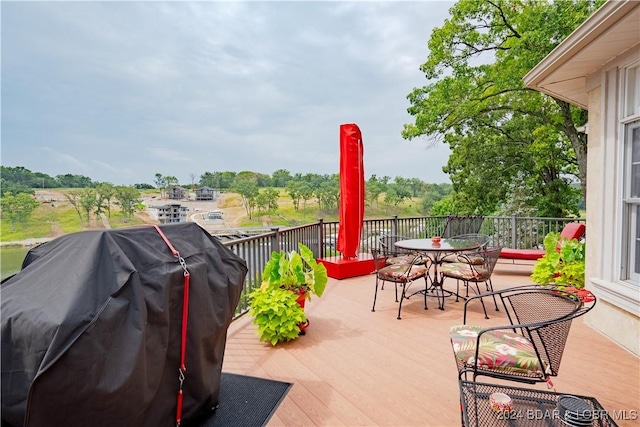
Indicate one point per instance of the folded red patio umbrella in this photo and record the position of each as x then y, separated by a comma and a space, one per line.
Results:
351, 190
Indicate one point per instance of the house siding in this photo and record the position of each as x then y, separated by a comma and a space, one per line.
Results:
587, 69
615, 315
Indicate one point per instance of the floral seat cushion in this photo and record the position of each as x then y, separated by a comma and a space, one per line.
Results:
473, 259
401, 272
502, 350
463, 271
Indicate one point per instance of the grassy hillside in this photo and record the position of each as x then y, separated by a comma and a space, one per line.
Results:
56, 216
286, 215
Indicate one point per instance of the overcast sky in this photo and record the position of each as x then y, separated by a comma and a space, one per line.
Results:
120, 91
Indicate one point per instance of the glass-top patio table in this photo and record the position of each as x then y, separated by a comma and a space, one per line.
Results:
436, 251
529, 408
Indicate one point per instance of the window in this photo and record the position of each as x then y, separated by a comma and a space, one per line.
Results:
631, 271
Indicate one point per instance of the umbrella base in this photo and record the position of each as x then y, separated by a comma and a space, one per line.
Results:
341, 268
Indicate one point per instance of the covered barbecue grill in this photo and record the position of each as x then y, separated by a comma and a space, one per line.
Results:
92, 327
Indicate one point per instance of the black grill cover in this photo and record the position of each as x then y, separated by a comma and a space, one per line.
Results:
91, 328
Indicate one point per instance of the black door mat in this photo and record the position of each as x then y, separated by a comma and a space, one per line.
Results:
245, 401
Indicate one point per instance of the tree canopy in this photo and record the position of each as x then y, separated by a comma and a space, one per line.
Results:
506, 140
17, 208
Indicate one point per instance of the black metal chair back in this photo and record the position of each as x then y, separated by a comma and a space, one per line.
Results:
388, 247
457, 225
542, 315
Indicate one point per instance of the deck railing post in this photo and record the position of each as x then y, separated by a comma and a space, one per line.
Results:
514, 233
321, 242
394, 225
275, 240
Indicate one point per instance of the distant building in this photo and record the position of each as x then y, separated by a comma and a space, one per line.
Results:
207, 193
167, 214
177, 193
214, 215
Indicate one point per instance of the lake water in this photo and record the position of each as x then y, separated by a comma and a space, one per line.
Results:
11, 258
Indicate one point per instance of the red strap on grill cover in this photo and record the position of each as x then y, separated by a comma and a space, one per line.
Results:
185, 318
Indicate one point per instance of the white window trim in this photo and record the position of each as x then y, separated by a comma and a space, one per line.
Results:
628, 202
608, 284
621, 294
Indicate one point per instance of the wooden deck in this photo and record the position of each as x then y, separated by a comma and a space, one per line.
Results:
355, 367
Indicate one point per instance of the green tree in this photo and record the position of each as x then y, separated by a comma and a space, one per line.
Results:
416, 185
306, 192
248, 190
14, 188
397, 193
261, 203
42, 180
88, 201
263, 180
73, 181
17, 208
327, 194
104, 195
129, 200
161, 183
226, 179
432, 194
170, 181
209, 179
374, 188
19, 177
293, 190
267, 200
143, 186
280, 177
442, 207
272, 196
498, 130
217, 179
73, 197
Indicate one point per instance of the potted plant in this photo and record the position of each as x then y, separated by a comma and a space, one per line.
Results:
288, 280
562, 265
277, 313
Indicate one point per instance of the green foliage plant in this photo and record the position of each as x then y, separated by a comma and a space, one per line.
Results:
564, 267
277, 314
296, 271
286, 277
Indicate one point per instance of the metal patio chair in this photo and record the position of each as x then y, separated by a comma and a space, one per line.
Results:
400, 274
529, 349
473, 268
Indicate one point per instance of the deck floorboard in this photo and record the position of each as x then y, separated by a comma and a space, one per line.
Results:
355, 367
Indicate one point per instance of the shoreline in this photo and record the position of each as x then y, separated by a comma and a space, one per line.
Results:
27, 242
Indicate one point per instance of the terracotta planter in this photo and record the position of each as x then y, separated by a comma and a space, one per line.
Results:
301, 300
301, 297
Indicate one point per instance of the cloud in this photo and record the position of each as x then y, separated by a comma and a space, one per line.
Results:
124, 90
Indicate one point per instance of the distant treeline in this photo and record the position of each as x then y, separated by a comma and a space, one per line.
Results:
21, 180
299, 186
